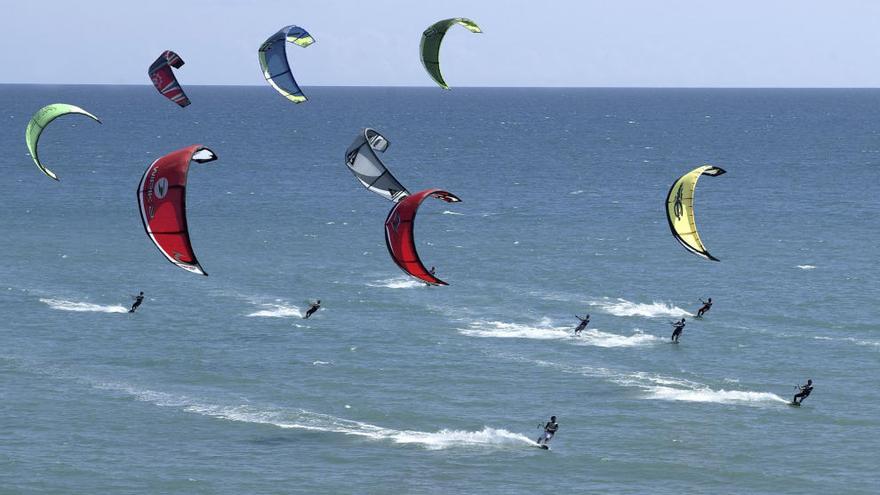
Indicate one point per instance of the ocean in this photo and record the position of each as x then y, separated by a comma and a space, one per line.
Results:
218, 386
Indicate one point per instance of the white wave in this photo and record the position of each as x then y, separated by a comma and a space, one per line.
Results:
447, 212
397, 283
622, 307
807, 267
321, 363
445, 439
598, 338
545, 331
277, 311
63, 305
501, 329
307, 420
706, 394
659, 387
579, 191
871, 343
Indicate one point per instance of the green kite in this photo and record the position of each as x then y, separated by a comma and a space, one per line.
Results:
430, 46
39, 122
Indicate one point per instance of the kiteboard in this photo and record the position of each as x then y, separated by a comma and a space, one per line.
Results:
794, 404
541, 446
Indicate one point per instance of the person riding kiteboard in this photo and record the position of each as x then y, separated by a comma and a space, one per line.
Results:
677, 328
707, 305
582, 325
549, 431
315, 306
138, 299
803, 392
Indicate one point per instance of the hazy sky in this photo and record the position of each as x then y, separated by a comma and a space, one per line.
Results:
767, 43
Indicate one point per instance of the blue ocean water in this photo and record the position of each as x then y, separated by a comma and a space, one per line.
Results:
217, 386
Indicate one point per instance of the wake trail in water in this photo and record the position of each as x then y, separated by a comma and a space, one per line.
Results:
397, 283
869, 343
82, 307
622, 307
276, 311
546, 331
659, 387
312, 421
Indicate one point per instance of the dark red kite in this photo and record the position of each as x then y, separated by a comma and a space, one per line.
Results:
399, 234
163, 78
162, 199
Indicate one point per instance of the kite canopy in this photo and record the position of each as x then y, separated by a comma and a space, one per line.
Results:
273, 61
39, 122
399, 234
162, 199
680, 210
366, 166
164, 80
430, 46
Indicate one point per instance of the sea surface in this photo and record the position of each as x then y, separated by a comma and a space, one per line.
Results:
218, 386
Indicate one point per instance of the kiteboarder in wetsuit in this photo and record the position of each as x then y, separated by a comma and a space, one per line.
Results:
138, 299
677, 328
549, 431
431, 271
312, 308
707, 305
803, 393
582, 325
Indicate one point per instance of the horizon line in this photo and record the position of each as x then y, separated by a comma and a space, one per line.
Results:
403, 86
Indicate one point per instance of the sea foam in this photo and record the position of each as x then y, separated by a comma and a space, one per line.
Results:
64, 305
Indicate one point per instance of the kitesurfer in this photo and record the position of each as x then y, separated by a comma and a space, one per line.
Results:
138, 299
549, 431
677, 328
582, 325
431, 271
707, 305
803, 392
312, 308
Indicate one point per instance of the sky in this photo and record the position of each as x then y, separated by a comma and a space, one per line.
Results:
586, 43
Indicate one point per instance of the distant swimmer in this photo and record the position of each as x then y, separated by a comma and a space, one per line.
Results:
312, 308
707, 305
549, 431
582, 325
803, 393
677, 328
138, 299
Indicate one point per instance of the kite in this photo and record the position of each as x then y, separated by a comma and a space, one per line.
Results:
165, 81
276, 68
430, 46
400, 234
680, 210
161, 196
39, 122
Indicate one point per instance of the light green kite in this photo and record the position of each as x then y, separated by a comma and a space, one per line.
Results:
430, 46
39, 122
